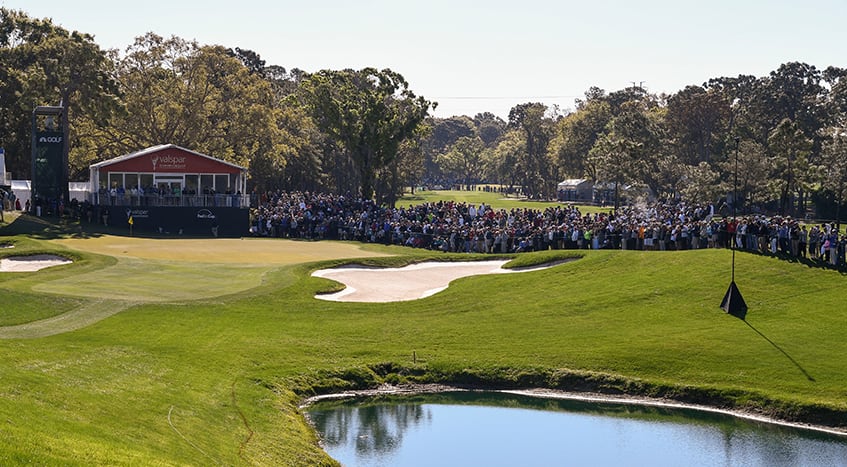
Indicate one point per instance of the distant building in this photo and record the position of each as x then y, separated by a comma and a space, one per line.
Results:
575, 189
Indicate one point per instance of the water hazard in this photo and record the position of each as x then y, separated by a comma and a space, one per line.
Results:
473, 428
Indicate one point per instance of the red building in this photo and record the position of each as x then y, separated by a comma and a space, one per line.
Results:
167, 170
170, 189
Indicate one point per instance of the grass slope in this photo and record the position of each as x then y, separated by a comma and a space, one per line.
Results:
206, 378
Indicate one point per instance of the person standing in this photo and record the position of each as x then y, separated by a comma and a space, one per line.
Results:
803, 237
814, 236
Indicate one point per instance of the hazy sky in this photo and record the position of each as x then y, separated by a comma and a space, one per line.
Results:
490, 55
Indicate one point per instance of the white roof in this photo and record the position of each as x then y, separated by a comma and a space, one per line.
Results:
21, 185
573, 181
158, 148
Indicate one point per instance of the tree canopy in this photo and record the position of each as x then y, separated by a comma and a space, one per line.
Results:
366, 132
368, 113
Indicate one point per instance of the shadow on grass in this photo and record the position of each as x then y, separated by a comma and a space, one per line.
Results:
52, 227
789, 357
805, 261
49, 228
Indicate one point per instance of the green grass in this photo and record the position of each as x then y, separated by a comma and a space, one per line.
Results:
203, 374
493, 199
151, 280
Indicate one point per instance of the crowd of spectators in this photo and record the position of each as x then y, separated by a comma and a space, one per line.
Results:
462, 227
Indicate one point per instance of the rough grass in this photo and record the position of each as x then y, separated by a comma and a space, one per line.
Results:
216, 379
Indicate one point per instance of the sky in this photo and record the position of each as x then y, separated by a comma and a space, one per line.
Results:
489, 55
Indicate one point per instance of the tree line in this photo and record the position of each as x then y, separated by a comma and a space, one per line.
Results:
366, 133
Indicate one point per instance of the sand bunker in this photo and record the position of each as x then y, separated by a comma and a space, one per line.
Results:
368, 284
30, 263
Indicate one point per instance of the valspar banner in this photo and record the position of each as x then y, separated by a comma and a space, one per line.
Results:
168, 163
171, 160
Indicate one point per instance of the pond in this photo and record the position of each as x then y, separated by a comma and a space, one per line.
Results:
493, 428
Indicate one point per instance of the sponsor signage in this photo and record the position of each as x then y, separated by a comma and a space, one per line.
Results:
138, 213
44, 139
168, 162
173, 221
205, 214
171, 160
49, 174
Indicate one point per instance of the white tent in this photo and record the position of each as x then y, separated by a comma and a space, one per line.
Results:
575, 189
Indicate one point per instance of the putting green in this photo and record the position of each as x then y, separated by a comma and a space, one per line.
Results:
140, 280
170, 270
155, 270
252, 251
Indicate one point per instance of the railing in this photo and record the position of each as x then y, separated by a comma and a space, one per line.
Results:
206, 201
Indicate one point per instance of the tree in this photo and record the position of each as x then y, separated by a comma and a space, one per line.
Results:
464, 159
701, 182
575, 135
788, 147
489, 128
44, 64
794, 91
739, 112
538, 175
445, 132
410, 161
283, 82
298, 164
834, 170
507, 158
368, 113
753, 173
614, 159
201, 98
635, 133
695, 118
836, 103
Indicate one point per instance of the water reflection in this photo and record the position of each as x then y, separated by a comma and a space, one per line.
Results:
374, 429
472, 428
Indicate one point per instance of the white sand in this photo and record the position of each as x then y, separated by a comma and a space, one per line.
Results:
30, 263
365, 284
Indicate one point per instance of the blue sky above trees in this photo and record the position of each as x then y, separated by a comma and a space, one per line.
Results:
489, 56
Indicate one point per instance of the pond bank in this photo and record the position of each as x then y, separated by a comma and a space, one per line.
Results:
607, 389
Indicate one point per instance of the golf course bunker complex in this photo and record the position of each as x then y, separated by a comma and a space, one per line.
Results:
31, 263
380, 285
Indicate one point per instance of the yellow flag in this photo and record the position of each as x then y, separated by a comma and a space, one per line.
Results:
130, 220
